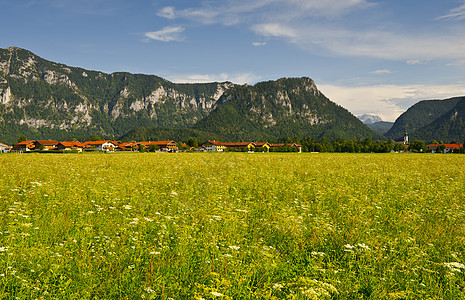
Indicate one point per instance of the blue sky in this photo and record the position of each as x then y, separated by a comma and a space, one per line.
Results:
369, 56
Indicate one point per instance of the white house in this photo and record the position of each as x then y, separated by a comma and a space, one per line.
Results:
101, 145
4, 147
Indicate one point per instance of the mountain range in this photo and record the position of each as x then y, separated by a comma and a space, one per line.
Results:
432, 120
369, 118
46, 100
41, 99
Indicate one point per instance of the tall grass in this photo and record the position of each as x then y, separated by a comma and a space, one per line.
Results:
232, 226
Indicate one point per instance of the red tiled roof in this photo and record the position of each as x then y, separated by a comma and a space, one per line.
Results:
216, 143
92, 143
289, 144
47, 142
261, 144
72, 144
126, 144
454, 146
237, 144
157, 143
25, 142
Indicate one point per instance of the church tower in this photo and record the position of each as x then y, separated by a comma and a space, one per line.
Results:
406, 138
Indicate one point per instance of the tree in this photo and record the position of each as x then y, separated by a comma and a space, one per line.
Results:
95, 138
21, 138
418, 145
193, 142
153, 148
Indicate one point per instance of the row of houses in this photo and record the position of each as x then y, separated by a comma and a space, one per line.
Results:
250, 146
444, 148
164, 146
106, 145
172, 146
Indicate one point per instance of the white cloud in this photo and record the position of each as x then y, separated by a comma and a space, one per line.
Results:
232, 12
258, 44
415, 62
237, 78
381, 72
97, 7
167, 34
328, 8
455, 14
327, 28
167, 12
275, 30
387, 101
456, 63
338, 41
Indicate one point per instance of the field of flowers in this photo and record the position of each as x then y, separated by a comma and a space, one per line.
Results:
232, 226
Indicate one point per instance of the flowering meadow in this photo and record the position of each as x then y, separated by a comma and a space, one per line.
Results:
232, 226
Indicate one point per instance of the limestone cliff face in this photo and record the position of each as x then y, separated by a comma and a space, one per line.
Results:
40, 95
285, 107
43, 99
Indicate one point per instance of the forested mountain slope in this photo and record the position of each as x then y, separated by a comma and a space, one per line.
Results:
286, 107
420, 115
43, 99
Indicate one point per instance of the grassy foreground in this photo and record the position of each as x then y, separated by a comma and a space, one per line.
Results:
232, 226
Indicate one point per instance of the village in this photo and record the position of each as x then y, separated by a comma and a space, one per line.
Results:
149, 146
173, 146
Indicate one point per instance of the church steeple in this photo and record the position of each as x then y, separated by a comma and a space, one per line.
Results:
406, 137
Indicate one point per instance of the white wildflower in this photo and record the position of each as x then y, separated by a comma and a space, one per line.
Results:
363, 246
134, 221
455, 266
234, 247
348, 247
127, 206
216, 294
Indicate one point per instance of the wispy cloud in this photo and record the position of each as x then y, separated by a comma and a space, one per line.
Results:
275, 30
259, 44
238, 78
455, 14
231, 12
456, 63
327, 28
416, 62
167, 34
339, 41
387, 101
381, 72
167, 12
85, 7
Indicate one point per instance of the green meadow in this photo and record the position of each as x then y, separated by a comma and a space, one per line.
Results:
232, 226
